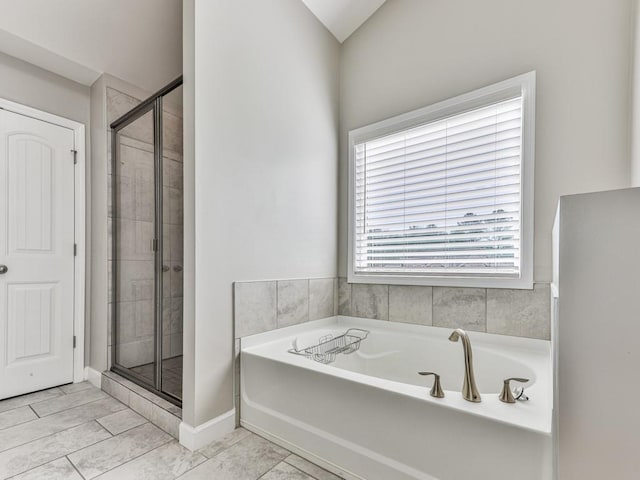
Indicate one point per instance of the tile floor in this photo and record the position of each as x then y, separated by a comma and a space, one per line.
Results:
79, 432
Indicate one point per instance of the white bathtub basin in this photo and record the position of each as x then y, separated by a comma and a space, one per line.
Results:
369, 414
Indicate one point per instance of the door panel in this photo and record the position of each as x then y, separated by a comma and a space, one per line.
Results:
30, 175
30, 323
36, 244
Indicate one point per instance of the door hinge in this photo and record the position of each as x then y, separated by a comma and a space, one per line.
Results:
75, 249
154, 245
74, 341
75, 156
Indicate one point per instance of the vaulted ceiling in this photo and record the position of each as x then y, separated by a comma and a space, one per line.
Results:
343, 17
80, 39
139, 41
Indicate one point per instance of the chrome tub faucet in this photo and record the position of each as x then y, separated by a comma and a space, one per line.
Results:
469, 388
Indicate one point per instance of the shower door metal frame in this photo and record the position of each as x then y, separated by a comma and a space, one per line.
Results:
151, 104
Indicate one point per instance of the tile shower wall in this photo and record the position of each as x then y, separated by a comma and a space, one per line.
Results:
135, 225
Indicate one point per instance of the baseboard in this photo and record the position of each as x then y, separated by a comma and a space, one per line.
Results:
93, 376
194, 438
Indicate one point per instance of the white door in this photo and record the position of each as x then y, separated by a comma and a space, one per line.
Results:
36, 254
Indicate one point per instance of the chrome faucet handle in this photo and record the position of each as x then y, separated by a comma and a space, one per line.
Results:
436, 390
506, 395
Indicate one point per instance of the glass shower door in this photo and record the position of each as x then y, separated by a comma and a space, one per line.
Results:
134, 236
147, 243
172, 244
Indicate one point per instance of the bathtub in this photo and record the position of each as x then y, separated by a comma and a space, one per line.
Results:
369, 415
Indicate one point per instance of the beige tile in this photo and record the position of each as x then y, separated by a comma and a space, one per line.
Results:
250, 458
411, 304
15, 402
76, 387
163, 463
134, 240
460, 308
172, 174
43, 427
293, 302
309, 468
370, 301
172, 132
175, 213
255, 307
176, 344
46, 449
135, 280
176, 239
60, 469
521, 313
177, 282
344, 297
139, 390
284, 471
214, 448
137, 352
114, 389
136, 161
321, 301
165, 420
118, 104
141, 405
121, 421
112, 452
16, 416
65, 402
135, 320
176, 315
140, 130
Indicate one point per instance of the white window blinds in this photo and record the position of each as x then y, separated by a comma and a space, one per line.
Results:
443, 198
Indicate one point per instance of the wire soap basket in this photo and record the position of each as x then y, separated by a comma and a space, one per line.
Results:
328, 347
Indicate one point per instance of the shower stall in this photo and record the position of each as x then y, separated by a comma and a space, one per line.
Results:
147, 243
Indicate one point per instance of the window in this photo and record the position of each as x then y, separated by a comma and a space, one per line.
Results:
444, 195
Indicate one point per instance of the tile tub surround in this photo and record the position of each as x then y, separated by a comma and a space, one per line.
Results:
266, 305
522, 313
262, 306
103, 439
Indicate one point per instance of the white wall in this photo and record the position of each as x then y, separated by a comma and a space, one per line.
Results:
29, 85
413, 53
265, 87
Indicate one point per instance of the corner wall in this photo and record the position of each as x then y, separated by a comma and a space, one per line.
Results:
265, 94
413, 53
